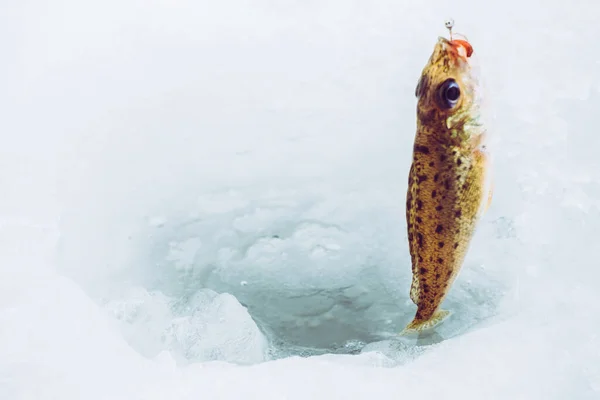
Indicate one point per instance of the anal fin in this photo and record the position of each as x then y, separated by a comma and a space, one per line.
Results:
414, 289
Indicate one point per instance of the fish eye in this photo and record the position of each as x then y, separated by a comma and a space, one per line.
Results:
448, 94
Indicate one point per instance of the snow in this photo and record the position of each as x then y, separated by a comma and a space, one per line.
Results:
207, 200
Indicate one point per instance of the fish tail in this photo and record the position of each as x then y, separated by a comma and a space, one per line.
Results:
419, 325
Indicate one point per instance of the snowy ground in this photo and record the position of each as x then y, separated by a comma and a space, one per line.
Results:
206, 201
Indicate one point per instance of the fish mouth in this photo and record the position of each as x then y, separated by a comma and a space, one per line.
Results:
460, 47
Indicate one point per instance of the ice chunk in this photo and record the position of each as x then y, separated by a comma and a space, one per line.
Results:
218, 327
206, 327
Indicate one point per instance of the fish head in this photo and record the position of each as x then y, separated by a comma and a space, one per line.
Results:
448, 92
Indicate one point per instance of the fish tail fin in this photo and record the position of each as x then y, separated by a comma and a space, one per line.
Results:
418, 325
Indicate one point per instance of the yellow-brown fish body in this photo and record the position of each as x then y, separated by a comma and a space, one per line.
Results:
449, 185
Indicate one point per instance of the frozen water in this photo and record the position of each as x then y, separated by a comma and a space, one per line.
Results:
207, 326
191, 188
284, 260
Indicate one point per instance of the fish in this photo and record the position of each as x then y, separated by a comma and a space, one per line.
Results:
450, 184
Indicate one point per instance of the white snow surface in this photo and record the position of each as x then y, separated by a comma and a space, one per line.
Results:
206, 200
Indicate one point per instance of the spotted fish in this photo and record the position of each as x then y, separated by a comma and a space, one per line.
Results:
449, 184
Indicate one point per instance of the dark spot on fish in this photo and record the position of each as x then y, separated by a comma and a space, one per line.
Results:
439, 208
420, 239
443, 157
439, 229
410, 237
433, 194
465, 186
447, 184
455, 245
441, 244
419, 220
422, 178
421, 149
458, 213
436, 177
453, 152
431, 164
423, 270
426, 288
420, 259
419, 204
438, 275
458, 161
440, 260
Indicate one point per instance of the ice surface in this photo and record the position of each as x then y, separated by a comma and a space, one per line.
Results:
205, 200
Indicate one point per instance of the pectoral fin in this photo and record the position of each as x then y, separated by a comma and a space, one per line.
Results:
490, 195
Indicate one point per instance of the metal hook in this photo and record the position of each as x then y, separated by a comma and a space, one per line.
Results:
449, 25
